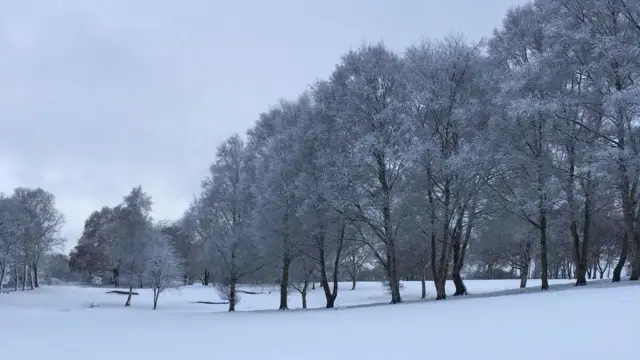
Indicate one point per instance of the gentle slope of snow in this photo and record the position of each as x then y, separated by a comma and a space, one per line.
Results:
550, 325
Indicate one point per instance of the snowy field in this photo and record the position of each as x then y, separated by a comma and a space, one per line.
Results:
65, 298
552, 325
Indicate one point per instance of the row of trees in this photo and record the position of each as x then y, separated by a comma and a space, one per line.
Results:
520, 152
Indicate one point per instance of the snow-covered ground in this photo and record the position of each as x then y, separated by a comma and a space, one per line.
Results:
65, 298
58, 323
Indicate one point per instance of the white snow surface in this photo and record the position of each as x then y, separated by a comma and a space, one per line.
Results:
71, 322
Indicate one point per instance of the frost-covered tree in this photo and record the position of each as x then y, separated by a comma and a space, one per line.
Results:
366, 95
319, 187
613, 72
522, 125
43, 222
275, 216
226, 206
163, 268
13, 223
132, 232
446, 104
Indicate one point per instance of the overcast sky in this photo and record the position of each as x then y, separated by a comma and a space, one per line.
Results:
99, 96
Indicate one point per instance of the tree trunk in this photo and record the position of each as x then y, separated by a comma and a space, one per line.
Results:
233, 295
303, 293
585, 228
524, 275
635, 261
542, 213
392, 275
581, 275
284, 284
30, 275
129, 296
461, 288
206, 278
423, 281
3, 268
327, 292
131, 281
336, 264
617, 272
580, 251
457, 266
635, 268
439, 283
580, 261
15, 277
388, 233
331, 293
353, 283
324, 282
434, 268
544, 271
116, 277
441, 292
628, 192
25, 272
36, 283
440, 277
156, 295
